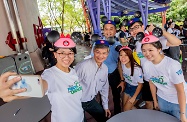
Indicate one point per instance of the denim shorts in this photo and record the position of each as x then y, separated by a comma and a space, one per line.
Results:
169, 108
130, 90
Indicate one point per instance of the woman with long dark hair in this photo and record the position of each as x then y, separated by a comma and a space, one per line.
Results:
133, 76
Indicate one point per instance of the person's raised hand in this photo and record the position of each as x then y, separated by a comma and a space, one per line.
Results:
151, 27
6, 93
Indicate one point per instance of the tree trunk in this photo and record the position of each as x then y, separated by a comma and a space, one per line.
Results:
63, 7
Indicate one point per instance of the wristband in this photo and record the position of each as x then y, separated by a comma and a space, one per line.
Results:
122, 80
182, 113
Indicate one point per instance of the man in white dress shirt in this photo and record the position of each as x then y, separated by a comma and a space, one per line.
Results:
93, 76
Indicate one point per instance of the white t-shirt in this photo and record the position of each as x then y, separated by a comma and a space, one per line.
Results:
136, 78
117, 34
146, 31
170, 30
64, 93
127, 34
177, 32
138, 44
164, 75
139, 52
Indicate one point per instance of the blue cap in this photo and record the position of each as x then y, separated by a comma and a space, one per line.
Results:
102, 42
132, 21
110, 22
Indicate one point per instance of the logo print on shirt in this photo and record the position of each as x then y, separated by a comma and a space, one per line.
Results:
159, 80
128, 77
75, 88
140, 55
179, 72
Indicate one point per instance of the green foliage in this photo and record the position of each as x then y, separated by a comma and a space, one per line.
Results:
68, 14
64, 14
177, 11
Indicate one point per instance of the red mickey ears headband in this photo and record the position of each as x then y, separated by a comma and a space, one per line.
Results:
125, 47
149, 39
63, 36
153, 37
65, 42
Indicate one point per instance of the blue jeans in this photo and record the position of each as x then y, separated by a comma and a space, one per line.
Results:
169, 108
95, 110
130, 90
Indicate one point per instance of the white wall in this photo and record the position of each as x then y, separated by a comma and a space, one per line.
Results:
28, 11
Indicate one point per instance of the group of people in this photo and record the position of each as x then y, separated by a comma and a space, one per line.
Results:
164, 86
157, 79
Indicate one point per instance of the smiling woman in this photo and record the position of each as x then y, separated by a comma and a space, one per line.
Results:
166, 80
133, 76
62, 85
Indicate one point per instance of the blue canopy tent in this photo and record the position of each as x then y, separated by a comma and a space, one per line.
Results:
121, 8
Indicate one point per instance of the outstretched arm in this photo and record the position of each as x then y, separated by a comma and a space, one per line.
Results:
45, 85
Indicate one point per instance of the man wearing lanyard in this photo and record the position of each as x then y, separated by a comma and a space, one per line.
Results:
93, 76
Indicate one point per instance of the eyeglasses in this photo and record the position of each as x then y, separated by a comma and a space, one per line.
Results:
63, 55
134, 28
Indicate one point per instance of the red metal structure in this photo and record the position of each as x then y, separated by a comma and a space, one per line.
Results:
86, 15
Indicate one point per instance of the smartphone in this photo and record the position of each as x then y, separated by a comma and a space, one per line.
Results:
33, 84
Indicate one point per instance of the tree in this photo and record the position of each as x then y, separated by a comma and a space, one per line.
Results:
177, 11
64, 14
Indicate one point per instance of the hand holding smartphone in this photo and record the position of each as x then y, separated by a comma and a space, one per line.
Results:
33, 84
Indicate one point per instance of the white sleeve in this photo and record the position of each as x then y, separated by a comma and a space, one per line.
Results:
47, 75
169, 30
138, 75
175, 73
104, 92
80, 70
163, 41
146, 75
